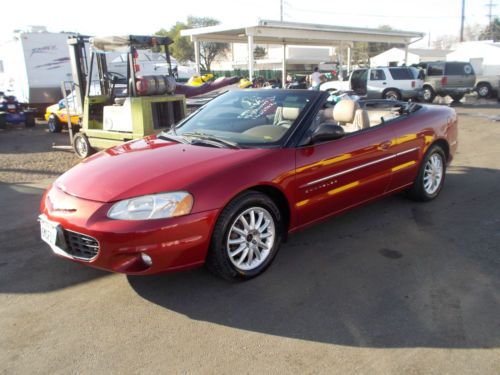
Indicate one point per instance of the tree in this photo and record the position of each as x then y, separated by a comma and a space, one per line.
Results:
492, 31
444, 41
183, 49
363, 51
259, 52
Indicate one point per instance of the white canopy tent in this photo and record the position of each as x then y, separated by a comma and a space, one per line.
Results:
293, 33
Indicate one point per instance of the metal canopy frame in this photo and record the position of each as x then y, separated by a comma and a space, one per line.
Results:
294, 33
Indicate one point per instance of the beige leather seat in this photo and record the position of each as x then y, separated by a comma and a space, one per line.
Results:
348, 114
285, 116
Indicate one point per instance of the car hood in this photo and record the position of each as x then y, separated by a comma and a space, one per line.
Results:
147, 166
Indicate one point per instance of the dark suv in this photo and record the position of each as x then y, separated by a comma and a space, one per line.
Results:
453, 78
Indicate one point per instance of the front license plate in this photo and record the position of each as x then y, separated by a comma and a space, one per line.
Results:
11, 106
48, 231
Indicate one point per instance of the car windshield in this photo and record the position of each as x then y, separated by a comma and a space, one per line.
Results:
247, 118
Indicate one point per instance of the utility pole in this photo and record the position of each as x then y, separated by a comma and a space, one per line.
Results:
281, 10
462, 22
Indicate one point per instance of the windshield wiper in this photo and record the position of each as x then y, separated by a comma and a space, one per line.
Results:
171, 137
207, 137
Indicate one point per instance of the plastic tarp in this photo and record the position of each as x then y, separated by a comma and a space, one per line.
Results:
110, 43
122, 43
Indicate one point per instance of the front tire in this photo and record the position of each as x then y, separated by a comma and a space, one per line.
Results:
29, 121
54, 124
81, 145
428, 94
392, 95
246, 237
431, 175
483, 90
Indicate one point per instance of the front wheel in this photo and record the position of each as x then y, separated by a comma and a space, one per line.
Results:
54, 124
29, 120
392, 95
430, 178
82, 146
246, 238
428, 94
483, 90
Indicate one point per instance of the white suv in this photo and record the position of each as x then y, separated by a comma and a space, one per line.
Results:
382, 83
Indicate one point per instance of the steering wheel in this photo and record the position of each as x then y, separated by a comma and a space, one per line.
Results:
114, 76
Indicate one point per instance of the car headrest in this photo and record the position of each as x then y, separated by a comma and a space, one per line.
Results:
290, 113
345, 110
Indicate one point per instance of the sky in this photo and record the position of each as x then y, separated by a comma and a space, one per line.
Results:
111, 17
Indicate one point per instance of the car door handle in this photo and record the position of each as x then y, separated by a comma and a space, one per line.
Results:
384, 145
384, 83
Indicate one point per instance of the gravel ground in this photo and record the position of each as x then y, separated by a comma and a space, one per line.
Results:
26, 154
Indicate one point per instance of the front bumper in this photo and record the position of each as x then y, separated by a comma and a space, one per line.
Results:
172, 244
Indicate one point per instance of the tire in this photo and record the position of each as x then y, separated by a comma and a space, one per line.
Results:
82, 146
428, 94
484, 90
457, 97
3, 123
249, 259
421, 191
392, 95
29, 122
54, 124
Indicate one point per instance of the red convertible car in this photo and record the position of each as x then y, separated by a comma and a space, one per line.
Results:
228, 183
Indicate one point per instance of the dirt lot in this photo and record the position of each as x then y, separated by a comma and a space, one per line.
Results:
391, 288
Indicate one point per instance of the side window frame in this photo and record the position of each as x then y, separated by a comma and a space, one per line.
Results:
378, 72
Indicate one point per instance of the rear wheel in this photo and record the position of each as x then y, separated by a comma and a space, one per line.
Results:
246, 238
483, 90
29, 121
430, 178
392, 95
82, 146
428, 94
54, 124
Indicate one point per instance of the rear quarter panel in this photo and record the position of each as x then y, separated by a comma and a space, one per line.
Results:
415, 134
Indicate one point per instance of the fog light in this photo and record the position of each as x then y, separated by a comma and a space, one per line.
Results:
146, 259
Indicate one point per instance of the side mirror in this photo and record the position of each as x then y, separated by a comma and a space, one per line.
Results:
327, 131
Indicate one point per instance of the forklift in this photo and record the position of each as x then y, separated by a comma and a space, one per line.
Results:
116, 101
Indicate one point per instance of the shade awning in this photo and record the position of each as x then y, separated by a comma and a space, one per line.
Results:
304, 34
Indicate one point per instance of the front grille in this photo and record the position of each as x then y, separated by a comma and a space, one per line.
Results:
80, 245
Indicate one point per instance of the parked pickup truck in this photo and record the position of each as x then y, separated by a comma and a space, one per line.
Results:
381, 83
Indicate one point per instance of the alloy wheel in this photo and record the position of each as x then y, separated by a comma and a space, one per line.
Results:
433, 174
251, 238
81, 146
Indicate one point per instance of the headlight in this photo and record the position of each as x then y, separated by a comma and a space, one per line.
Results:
155, 206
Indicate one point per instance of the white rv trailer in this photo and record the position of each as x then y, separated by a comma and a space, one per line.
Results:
33, 64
